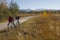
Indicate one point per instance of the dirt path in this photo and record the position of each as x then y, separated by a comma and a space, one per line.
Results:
4, 25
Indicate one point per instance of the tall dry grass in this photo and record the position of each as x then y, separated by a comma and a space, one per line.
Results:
42, 28
37, 28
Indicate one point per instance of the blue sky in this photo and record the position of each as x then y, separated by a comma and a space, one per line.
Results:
38, 4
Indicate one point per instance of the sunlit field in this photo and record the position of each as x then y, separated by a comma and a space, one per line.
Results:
42, 27
29, 20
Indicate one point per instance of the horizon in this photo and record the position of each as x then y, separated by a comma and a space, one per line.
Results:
39, 9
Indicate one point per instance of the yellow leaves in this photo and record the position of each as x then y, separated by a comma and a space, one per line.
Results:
45, 14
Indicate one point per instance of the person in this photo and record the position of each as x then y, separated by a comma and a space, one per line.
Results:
17, 19
11, 21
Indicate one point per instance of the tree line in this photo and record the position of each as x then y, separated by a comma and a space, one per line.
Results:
11, 9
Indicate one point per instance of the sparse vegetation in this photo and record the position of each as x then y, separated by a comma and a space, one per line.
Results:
41, 28
37, 28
